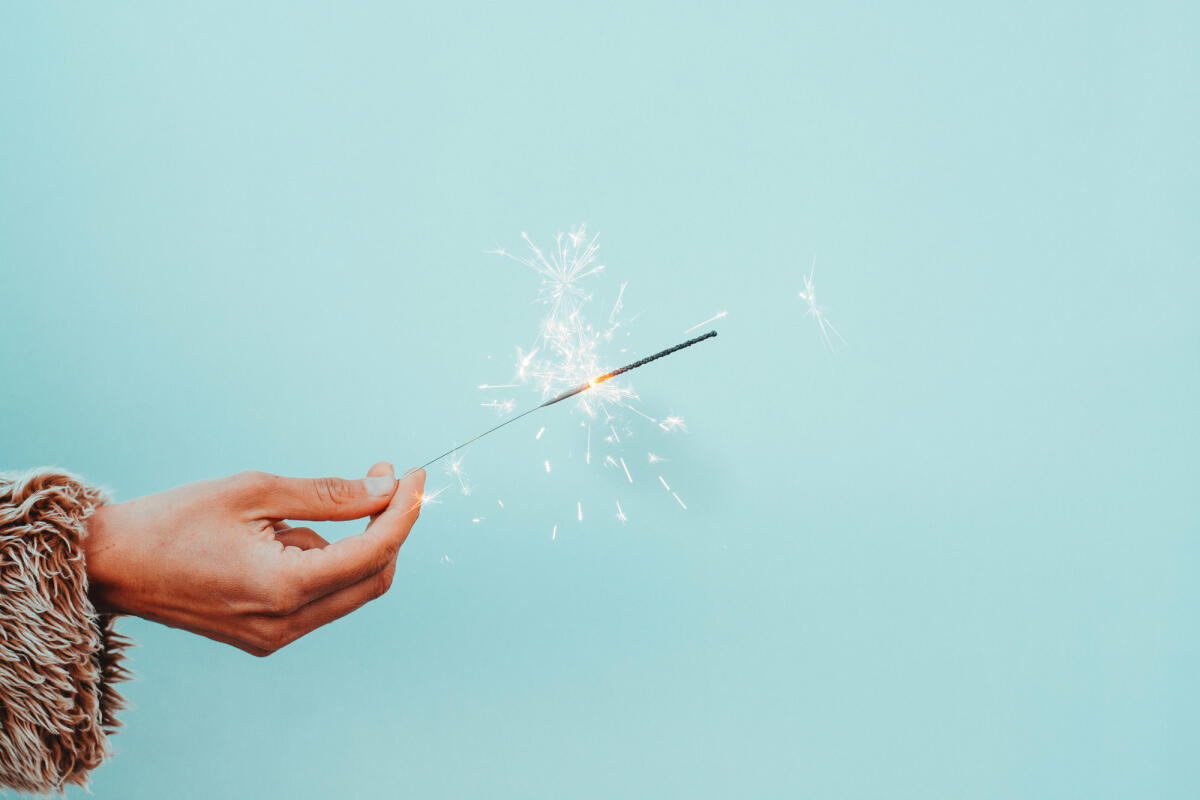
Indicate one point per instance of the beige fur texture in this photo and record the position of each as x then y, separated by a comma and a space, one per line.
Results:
59, 658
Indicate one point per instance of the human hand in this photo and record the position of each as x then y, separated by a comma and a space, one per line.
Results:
219, 558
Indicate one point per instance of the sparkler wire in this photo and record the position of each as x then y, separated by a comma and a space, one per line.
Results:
570, 393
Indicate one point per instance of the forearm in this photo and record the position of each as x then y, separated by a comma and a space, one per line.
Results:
59, 657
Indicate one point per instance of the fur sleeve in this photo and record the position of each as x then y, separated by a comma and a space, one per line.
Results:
59, 658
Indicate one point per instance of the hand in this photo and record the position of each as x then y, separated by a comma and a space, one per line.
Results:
218, 557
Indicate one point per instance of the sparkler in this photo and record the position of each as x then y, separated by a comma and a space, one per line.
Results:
583, 387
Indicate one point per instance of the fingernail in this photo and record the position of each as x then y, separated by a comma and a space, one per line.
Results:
379, 484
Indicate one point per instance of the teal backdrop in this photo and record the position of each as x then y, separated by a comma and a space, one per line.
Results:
956, 558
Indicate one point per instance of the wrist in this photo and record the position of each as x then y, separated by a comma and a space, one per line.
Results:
102, 560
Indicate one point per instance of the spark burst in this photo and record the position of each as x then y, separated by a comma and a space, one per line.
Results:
567, 352
430, 498
454, 469
817, 312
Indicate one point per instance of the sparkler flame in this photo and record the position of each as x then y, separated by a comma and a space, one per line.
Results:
566, 352
564, 359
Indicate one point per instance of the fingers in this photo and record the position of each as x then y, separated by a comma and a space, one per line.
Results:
319, 572
307, 538
333, 580
277, 632
274, 497
303, 538
381, 468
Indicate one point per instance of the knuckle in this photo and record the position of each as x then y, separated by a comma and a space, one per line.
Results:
274, 638
256, 651
252, 480
382, 582
283, 599
384, 559
331, 490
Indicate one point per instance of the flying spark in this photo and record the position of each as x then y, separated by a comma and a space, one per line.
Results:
455, 470
713, 318
673, 423
817, 312
430, 498
502, 407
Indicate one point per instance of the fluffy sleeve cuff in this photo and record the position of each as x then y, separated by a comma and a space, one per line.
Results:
59, 658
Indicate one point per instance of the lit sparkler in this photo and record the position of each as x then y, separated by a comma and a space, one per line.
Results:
572, 392
566, 351
564, 361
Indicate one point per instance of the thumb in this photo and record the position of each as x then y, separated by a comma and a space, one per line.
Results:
277, 497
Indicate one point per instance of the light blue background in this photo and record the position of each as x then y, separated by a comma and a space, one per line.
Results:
957, 560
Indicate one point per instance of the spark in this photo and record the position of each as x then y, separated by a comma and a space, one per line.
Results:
478, 520
654, 458
499, 386
673, 423
663, 481
627, 475
454, 469
617, 306
446, 559
620, 513
642, 414
430, 498
817, 312
713, 318
500, 503
554, 533
524, 360
547, 466
541, 430
501, 406
580, 506
572, 260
